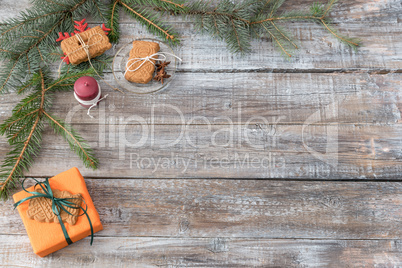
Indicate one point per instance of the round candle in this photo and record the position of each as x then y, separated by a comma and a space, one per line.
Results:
86, 89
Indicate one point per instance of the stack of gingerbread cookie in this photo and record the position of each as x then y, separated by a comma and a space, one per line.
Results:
94, 38
143, 63
141, 71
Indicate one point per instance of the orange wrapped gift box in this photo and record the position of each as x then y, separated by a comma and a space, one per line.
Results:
47, 238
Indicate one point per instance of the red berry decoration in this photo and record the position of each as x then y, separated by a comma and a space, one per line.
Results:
81, 26
106, 30
65, 59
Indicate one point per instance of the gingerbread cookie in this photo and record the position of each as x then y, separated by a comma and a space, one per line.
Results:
40, 209
144, 74
95, 38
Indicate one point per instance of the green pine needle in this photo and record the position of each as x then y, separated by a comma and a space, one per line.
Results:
27, 47
150, 20
77, 144
113, 21
24, 127
238, 23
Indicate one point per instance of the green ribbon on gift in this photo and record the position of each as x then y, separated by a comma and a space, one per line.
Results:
58, 204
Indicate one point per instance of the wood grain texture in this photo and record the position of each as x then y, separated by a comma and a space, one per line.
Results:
201, 252
205, 119
240, 208
378, 24
225, 98
327, 114
319, 52
255, 151
344, 11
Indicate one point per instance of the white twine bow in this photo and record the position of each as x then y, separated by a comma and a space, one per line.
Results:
147, 59
93, 102
85, 47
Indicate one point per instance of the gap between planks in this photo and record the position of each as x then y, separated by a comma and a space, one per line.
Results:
273, 179
97, 235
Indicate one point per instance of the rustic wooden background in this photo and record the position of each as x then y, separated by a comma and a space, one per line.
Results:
339, 206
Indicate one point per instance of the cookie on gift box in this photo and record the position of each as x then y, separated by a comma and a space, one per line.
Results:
40, 209
143, 74
95, 38
44, 232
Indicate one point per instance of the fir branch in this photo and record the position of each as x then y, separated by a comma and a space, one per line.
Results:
174, 4
76, 143
24, 50
19, 159
25, 125
35, 80
351, 42
100, 11
11, 124
69, 79
113, 22
164, 6
278, 42
99, 63
25, 103
236, 35
226, 21
282, 33
317, 13
40, 53
7, 78
15, 26
275, 6
28, 54
151, 22
290, 18
229, 16
328, 7
263, 8
139, 10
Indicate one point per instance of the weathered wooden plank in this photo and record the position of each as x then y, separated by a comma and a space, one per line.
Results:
319, 51
240, 208
10, 9
333, 151
359, 10
199, 252
270, 117
344, 11
240, 97
355, 134
376, 23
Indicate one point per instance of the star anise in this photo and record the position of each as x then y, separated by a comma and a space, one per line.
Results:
160, 75
162, 65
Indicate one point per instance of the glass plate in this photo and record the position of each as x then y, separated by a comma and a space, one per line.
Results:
119, 67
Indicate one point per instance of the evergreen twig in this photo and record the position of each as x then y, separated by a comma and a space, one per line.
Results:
77, 144
259, 17
27, 46
24, 128
140, 10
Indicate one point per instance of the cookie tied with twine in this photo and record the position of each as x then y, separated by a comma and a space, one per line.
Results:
144, 69
84, 45
40, 209
95, 40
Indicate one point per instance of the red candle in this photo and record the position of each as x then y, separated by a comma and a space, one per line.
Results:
87, 91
